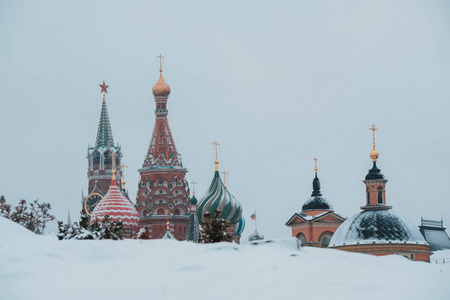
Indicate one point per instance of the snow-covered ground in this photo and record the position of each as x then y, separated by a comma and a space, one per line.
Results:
41, 267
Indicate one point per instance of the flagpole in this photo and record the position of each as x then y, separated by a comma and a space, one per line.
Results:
256, 228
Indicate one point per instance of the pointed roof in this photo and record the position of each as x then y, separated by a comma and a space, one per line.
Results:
316, 201
162, 152
104, 133
168, 235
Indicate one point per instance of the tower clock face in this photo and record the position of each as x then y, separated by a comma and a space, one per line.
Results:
91, 201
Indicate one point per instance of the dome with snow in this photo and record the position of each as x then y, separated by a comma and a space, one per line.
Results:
376, 227
117, 207
240, 226
218, 197
316, 201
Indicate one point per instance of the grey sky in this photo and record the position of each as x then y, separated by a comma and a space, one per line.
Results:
275, 83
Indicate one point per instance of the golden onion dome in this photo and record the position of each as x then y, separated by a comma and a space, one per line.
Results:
161, 88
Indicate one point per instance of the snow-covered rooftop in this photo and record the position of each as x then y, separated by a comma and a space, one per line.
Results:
376, 227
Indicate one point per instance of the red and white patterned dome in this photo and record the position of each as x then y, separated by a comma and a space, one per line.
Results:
117, 207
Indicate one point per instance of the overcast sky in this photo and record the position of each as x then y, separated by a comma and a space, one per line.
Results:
275, 83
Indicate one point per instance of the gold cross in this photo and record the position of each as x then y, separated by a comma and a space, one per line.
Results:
373, 129
216, 162
224, 174
193, 187
315, 164
160, 61
123, 169
113, 170
113, 159
123, 175
216, 144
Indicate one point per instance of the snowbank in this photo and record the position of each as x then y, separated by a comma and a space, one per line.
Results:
41, 267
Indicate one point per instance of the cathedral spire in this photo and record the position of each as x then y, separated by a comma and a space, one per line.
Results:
104, 133
162, 151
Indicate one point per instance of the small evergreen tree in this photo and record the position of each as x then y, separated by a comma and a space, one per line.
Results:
214, 229
84, 220
105, 230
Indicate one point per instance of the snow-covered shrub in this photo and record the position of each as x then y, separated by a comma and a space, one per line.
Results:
214, 229
106, 230
33, 217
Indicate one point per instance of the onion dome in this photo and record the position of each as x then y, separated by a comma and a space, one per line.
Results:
193, 200
240, 226
316, 201
377, 227
161, 88
218, 197
116, 206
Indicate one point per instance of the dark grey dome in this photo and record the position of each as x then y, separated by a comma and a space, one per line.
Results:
374, 173
316, 201
376, 227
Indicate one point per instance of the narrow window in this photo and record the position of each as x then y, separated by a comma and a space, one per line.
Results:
380, 195
368, 195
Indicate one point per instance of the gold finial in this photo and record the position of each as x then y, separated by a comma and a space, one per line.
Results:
168, 223
216, 162
374, 153
315, 164
113, 172
123, 175
224, 174
160, 62
193, 187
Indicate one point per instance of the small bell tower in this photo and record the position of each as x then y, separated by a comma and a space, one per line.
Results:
375, 183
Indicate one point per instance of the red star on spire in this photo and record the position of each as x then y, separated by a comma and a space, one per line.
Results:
104, 87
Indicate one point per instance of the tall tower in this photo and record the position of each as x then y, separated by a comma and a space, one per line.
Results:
163, 191
100, 160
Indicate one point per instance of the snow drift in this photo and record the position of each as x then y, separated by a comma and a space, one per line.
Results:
41, 267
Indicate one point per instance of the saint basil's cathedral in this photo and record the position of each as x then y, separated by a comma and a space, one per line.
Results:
163, 204
164, 208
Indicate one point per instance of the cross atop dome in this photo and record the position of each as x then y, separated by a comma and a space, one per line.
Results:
374, 153
216, 162
161, 88
160, 62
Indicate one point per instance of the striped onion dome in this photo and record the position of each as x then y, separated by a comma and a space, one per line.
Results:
117, 207
218, 197
239, 227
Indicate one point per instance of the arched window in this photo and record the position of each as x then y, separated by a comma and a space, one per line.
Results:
107, 158
380, 195
302, 238
160, 212
325, 238
96, 158
177, 212
368, 195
